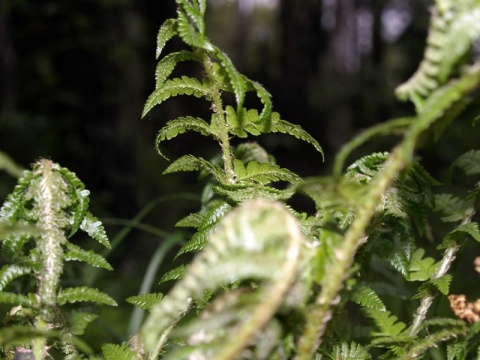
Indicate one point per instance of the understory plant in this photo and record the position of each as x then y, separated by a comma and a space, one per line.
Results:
365, 276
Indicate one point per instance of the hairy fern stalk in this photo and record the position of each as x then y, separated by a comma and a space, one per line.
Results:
271, 283
47, 207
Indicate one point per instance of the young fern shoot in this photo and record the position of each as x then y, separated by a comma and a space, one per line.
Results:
51, 204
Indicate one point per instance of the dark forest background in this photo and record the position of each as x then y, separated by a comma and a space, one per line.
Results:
74, 76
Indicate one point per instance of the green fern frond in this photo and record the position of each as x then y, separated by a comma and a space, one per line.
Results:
451, 35
76, 253
352, 351
166, 66
459, 233
421, 269
10, 272
211, 218
252, 151
94, 228
469, 162
433, 340
284, 127
242, 193
14, 206
192, 163
262, 173
192, 220
236, 80
180, 125
145, 301
178, 86
79, 320
167, 31
118, 352
191, 25
265, 99
452, 208
442, 283
84, 293
366, 297
174, 274
18, 299
387, 324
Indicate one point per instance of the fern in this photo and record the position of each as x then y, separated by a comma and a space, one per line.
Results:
54, 201
367, 298
117, 352
351, 351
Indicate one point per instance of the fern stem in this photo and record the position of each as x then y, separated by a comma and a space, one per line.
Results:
338, 270
219, 117
447, 260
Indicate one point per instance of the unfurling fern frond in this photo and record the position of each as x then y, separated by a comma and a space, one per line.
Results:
260, 240
453, 30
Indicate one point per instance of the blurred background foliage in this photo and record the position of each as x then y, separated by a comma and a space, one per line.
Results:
74, 76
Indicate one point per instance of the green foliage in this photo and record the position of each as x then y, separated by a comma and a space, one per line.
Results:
267, 281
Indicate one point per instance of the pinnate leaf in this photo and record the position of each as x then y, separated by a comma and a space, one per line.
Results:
366, 297
10, 272
421, 268
93, 227
166, 32
84, 293
75, 252
118, 352
145, 301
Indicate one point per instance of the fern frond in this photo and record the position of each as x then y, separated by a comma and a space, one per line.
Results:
242, 193
421, 269
265, 99
180, 125
459, 233
387, 324
94, 228
167, 31
118, 352
252, 151
10, 272
176, 273
352, 351
192, 163
469, 162
192, 220
262, 173
236, 80
166, 66
79, 320
452, 207
178, 86
84, 293
76, 253
191, 25
14, 206
145, 301
18, 299
211, 218
284, 127
366, 297
442, 283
